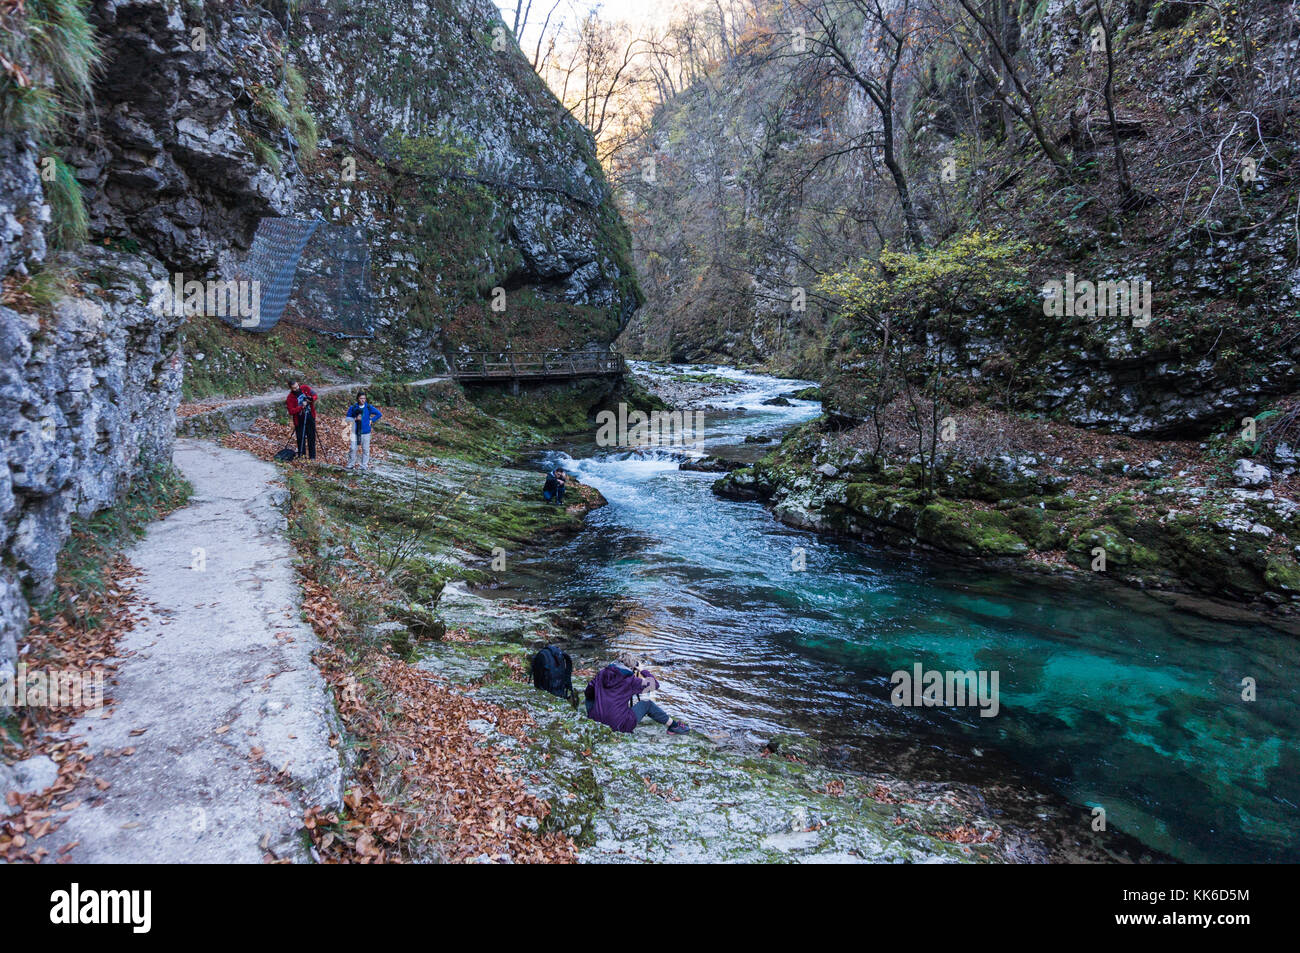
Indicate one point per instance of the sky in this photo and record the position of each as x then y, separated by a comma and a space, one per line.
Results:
633, 12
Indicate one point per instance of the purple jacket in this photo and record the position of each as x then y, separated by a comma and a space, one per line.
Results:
614, 687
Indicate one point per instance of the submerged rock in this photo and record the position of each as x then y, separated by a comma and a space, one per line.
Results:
711, 465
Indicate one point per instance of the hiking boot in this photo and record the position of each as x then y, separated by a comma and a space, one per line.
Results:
678, 728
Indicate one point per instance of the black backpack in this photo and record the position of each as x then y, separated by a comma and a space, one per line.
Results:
553, 671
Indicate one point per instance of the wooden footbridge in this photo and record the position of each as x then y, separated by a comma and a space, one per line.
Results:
490, 366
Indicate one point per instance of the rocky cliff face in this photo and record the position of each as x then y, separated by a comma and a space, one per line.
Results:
469, 175
169, 153
88, 392
89, 379
419, 125
737, 227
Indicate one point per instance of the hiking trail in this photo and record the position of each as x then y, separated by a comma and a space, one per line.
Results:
215, 691
271, 398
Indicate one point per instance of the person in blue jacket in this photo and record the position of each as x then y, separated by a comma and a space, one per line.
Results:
362, 414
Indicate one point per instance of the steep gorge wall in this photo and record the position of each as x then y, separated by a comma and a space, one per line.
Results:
1225, 286
469, 175
203, 119
88, 390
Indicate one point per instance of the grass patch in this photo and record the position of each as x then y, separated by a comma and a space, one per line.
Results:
301, 122
44, 37
37, 291
237, 363
69, 223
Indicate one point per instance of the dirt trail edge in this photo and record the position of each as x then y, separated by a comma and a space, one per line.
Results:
216, 692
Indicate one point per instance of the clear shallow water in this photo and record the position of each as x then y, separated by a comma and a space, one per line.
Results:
1107, 696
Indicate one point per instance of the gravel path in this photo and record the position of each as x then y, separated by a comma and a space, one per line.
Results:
229, 719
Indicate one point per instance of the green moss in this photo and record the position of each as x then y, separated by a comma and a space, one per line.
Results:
1035, 527
462, 498
492, 512
1282, 574
1122, 552
702, 379
551, 410
960, 529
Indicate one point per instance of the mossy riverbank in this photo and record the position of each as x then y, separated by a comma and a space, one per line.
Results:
650, 796
1169, 517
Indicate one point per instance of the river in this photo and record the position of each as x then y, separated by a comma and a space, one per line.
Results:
1109, 698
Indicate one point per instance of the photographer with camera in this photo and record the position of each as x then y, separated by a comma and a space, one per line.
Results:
613, 696
301, 403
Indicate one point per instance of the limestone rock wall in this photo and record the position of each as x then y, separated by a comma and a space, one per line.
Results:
88, 393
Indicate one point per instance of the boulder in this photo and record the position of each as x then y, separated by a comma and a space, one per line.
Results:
711, 465
28, 776
1249, 474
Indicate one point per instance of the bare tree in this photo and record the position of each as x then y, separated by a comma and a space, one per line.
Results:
877, 76
1128, 197
1002, 75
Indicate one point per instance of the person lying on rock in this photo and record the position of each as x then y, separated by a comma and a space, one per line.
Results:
302, 410
363, 414
553, 491
612, 697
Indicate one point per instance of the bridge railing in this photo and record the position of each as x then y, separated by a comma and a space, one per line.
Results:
507, 365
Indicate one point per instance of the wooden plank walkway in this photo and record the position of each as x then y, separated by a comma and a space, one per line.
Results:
531, 365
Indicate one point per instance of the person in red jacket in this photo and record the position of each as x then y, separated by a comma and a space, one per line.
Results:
302, 410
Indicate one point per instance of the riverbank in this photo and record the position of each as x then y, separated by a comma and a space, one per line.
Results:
652, 797
456, 757
1170, 517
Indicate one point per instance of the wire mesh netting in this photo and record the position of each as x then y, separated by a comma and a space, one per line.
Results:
311, 274
333, 289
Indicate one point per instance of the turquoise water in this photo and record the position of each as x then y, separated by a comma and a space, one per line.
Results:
1107, 697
